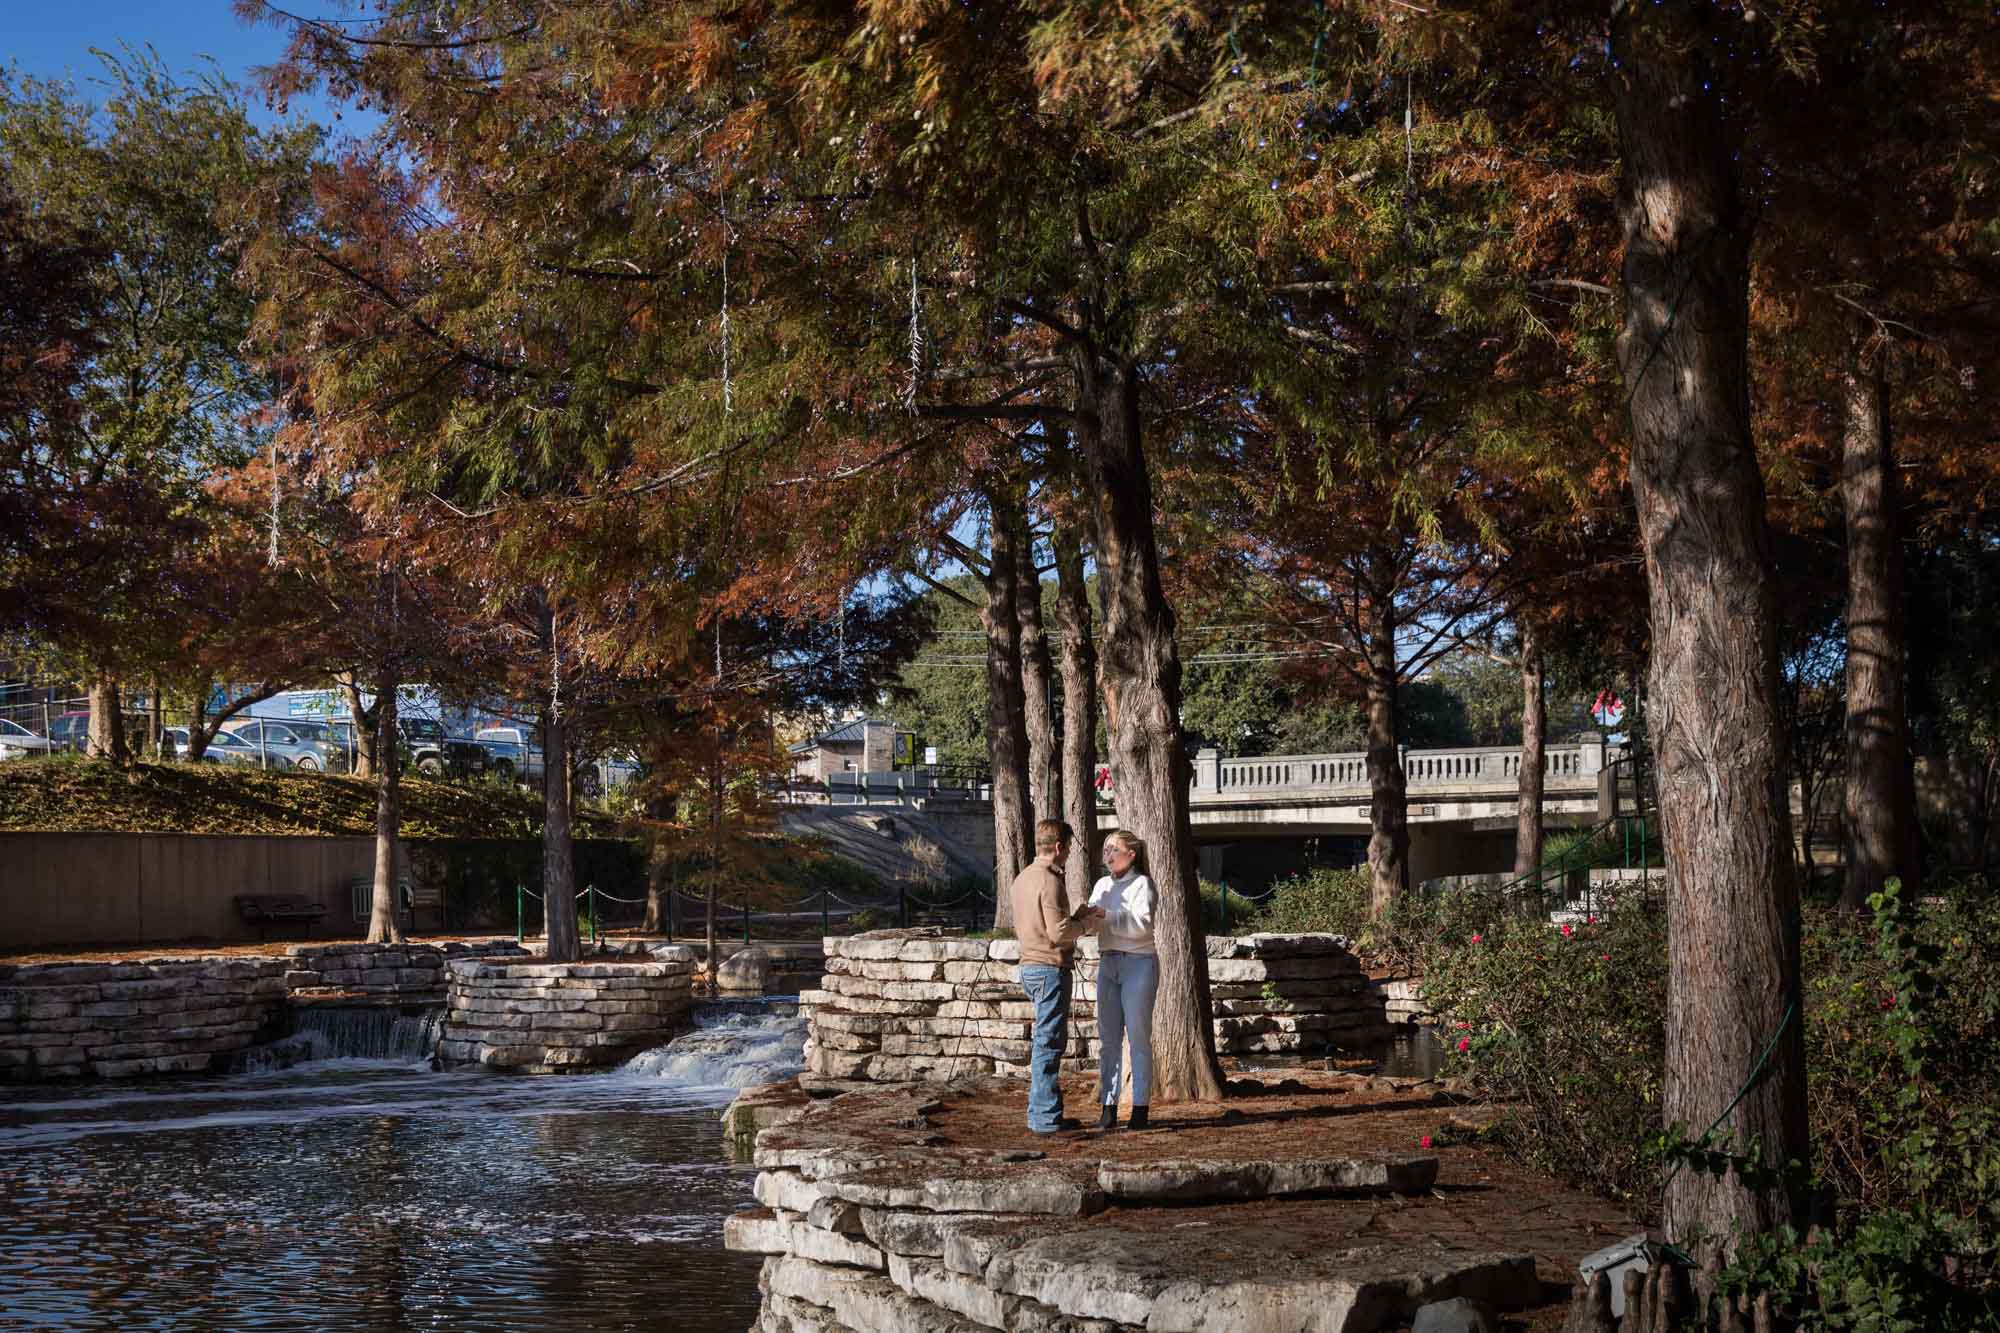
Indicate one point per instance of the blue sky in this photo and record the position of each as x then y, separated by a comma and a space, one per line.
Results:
54, 40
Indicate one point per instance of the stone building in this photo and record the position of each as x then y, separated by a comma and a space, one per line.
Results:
859, 745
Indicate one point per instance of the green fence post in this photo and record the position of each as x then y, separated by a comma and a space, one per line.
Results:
746, 918
520, 914
1225, 907
903, 906
591, 889
673, 892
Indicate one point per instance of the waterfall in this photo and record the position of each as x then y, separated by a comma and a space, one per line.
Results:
329, 1032
735, 1044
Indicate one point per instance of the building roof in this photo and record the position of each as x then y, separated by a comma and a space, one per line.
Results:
852, 732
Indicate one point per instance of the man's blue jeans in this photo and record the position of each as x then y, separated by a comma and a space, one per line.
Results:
1049, 988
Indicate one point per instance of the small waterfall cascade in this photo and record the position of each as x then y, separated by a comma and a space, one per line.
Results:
340, 1032
734, 1044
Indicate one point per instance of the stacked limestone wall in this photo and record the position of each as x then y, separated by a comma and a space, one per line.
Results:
115, 1020
383, 974
552, 1018
932, 1004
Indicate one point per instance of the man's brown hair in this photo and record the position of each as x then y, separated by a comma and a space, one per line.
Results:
1050, 834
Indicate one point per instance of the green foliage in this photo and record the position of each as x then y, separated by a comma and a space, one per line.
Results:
1320, 900
1564, 1023
944, 701
1900, 1013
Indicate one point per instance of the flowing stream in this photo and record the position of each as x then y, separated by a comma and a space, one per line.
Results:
326, 1189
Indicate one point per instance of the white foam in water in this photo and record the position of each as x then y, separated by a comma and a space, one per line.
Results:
732, 1046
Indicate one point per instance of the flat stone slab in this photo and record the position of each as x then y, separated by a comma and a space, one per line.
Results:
1174, 1181
1250, 1273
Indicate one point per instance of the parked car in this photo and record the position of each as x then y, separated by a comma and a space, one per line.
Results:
426, 748
510, 752
223, 748
70, 731
17, 742
282, 745
337, 749
513, 755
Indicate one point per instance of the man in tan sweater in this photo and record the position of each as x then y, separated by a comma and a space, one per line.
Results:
1048, 932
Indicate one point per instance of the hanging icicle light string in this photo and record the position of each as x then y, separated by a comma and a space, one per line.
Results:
272, 559
916, 343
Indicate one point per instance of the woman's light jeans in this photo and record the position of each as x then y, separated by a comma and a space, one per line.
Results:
1125, 986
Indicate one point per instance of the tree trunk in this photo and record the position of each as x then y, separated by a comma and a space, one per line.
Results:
385, 921
1718, 751
1077, 656
1388, 785
1006, 730
1880, 793
713, 892
1141, 674
558, 861
363, 729
106, 739
1037, 689
659, 809
1534, 742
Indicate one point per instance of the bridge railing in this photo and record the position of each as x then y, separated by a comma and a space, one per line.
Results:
1267, 775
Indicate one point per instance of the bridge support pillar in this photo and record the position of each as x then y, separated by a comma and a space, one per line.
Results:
1208, 770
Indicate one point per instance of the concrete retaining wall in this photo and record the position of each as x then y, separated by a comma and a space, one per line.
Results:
137, 888
115, 1020
556, 1018
931, 1004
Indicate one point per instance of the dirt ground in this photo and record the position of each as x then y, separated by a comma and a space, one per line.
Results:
1482, 1201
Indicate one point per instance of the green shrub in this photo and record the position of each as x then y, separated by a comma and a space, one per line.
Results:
1900, 1016
1318, 900
1563, 1023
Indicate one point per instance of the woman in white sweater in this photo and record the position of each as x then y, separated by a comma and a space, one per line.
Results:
1128, 974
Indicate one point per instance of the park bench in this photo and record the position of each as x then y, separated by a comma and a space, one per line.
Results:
415, 898
264, 910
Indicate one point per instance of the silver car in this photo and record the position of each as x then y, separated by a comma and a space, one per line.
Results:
281, 745
222, 748
17, 742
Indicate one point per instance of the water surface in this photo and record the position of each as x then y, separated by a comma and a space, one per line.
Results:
375, 1194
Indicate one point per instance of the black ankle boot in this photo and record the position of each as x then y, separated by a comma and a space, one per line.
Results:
1107, 1119
1138, 1120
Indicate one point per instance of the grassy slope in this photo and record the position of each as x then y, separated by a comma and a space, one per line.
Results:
66, 794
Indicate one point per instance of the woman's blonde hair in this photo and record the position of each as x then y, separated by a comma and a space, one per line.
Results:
1132, 843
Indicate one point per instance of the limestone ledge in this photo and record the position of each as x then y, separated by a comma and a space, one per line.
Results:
899, 1005
870, 1221
126, 1018
537, 1017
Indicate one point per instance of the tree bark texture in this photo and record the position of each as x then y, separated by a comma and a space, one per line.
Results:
106, 739
1388, 785
1534, 744
1880, 795
1077, 657
385, 920
1733, 945
1037, 687
558, 860
1140, 671
1006, 728
364, 728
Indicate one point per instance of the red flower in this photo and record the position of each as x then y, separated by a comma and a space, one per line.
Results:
1465, 1043
1567, 932
1424, 1142
1888, 1002
1475, 937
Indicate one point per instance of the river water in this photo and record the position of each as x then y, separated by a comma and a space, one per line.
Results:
373, 1194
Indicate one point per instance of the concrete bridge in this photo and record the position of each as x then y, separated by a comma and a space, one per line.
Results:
1256, 814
